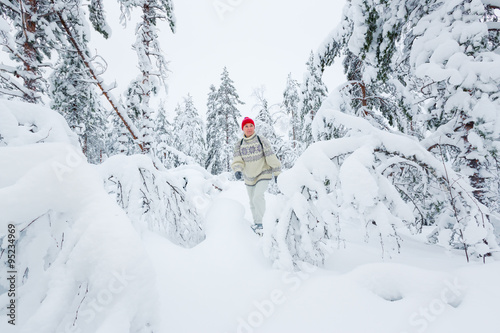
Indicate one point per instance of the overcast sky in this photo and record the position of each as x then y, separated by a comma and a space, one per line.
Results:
260, 42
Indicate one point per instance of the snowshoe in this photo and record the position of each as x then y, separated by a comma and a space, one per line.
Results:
257, 228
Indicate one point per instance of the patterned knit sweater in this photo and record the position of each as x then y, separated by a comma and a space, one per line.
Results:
254, 162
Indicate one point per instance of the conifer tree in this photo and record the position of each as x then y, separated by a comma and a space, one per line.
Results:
35, 38
462, 102
76, 99
189, 134
164, 138
222, 125
264, 123
152, 64
291, 101
42, 27
313, 92
74, 95
118, 140
98, 19
377, 74
287, 151
435, 84
214, 135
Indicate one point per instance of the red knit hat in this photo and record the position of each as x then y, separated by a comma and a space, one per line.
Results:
246, 121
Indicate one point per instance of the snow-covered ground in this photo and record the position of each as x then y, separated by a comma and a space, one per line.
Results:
226, 285
83, 265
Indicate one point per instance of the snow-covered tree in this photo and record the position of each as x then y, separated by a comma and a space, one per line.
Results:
74, 95
214, 137
292, 148
97, 17
189, 131
378, 180
35, 36
264, 123
286, 150
153, 200
411, 80
164, 138
290, 105
223, 128
71, 240
152, 64
313, 91
418, 87
42, 27
461, 90
118, 139
376, 61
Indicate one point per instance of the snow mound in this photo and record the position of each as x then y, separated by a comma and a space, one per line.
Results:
22, 123
80, 266
395, 282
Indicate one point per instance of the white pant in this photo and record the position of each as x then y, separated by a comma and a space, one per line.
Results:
257, 201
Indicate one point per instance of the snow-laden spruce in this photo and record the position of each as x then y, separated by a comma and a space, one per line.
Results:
428, 70
312, 93
188, 133
291, 149
223, 128
464, 116
151, 63
380, 180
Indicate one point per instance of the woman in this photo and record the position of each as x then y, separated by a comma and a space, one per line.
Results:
255, 161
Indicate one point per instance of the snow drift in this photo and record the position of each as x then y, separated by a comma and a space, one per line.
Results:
80, 265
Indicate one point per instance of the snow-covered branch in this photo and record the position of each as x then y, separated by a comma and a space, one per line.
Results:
99, 81
153, 199
493, 26
407, 176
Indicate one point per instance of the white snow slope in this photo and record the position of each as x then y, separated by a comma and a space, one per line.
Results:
226, 285
121, 279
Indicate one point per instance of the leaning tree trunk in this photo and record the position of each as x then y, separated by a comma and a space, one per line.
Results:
98, 80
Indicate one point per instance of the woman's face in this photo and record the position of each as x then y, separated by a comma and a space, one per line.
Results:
248, 129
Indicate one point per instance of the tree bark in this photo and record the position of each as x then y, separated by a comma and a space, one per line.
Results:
29, 30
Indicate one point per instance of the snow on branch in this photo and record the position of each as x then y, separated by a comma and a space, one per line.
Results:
377, 181
491, 3
394, 178
493, 25
153, 199
99, 81
22, 124
178, 155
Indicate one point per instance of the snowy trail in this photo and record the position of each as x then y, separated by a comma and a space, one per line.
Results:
225, 284
206, 288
